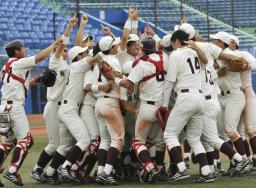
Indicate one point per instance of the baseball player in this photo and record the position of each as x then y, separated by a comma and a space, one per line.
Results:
184, 75
15, 75
81, 39
248, 119
58, 62
71, 125
149, 72
210, 138
87, 113
108, 113
232, 98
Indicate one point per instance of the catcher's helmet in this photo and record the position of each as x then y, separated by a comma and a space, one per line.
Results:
148, 44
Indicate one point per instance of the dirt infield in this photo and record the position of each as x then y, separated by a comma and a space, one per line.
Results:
38, 131
37, 125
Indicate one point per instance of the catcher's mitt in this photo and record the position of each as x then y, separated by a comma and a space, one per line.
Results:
162, 115
238, 65
48, 78
106, 70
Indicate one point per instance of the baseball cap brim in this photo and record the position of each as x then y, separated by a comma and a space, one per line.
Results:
214, 37
88, 36
116, 41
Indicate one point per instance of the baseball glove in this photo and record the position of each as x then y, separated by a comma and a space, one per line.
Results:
238, 65
162, 115
106, 70
48, 78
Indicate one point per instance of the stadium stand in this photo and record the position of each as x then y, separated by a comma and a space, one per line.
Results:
244, 12
168, 15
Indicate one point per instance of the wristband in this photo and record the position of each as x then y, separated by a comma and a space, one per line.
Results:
101, 55
65, 39
117, 81
135, 24
95, 88
128, 24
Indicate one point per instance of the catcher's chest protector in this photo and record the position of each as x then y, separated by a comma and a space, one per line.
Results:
158, 64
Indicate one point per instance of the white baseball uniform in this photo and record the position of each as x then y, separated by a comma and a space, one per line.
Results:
184, 69
250, 106
151, 96
13, 98
54, 98
71, 123
13, 93
232, 100
107, 110
210, 138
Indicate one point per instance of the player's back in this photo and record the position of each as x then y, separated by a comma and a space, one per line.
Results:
187, 69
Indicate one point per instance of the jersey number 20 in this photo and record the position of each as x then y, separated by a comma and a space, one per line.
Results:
194, 66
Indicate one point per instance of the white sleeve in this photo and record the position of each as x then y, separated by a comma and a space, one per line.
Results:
54, 62
25, 63
172, 72
137, 74
156, 38
214, 50
115, 65
168, 85
81, 66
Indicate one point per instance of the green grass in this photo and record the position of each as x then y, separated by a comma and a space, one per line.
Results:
40, 142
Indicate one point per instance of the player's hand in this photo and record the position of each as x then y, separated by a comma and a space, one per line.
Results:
57, 42
130, 13
135, 14
149, 31
106, 87
106, 31
87, 88
72, 22
191, 44
84, 19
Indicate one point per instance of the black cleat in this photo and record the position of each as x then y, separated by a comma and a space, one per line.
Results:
14, 178
239, 167
205, 179
65, 172
101, 179
153, 174
53, 180
179, 176
162, 175
36, 175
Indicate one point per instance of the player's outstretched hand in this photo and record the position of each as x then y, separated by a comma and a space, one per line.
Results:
148, 30
106, 31
72, 22
84, 19
191, 44
135, 14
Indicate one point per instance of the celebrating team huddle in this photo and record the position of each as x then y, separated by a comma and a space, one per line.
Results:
123, 103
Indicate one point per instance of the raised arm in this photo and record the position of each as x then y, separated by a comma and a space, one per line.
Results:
200, 53
135, 21
80, 32
127, 29
47, 51
72, 22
